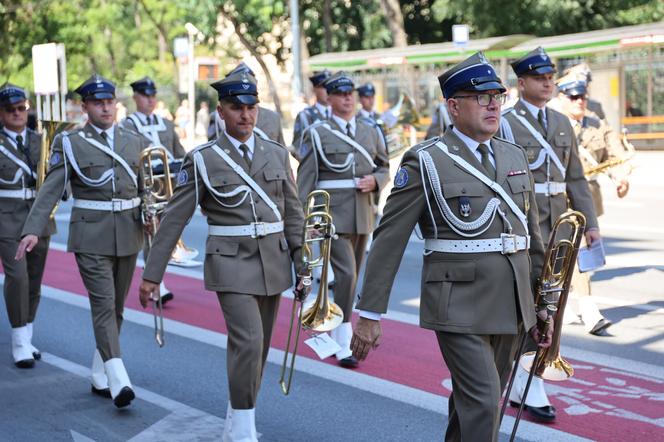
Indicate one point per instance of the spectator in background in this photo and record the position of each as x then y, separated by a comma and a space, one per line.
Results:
163, 111
182, 118
120, 112
202, 120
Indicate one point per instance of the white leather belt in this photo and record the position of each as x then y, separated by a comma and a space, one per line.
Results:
21, 194
350, 183
550, 188
506, 244
255, 230
115, 205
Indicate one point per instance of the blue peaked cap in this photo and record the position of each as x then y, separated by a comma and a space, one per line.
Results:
319, 77
11, 94
366, 90
534, 62
237, 88
339, 82
473, 74
97, 88
572, 85
241, 68
145, 86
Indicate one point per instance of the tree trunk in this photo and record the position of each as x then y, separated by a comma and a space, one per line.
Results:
394, 19
327, 24
254, 52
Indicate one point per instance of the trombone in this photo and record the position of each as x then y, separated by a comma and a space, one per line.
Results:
552, 292
157, 190
322, 315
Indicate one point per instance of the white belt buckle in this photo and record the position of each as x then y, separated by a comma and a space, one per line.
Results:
508, 241
116, 205
259, 230
27, 194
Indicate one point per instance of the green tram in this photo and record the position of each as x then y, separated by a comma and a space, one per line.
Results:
627, 70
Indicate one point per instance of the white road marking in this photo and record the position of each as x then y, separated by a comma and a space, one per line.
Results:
360, 381
78, 437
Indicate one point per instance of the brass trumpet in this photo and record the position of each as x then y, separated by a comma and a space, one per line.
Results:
157, 190
322, 315
552, 293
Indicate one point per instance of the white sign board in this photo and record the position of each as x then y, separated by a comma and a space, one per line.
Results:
460, 35
180, 47
45, 68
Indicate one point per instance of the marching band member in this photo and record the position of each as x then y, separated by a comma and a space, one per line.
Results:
101, 161
440, 120
348, 159
597, 143
553, 157
159, 132
472, 197
20, 150
244, 185
320, 110
268, 122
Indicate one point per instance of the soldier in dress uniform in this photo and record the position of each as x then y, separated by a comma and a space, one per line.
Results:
553, 156
348, 159
159, 132
597, 143
20, 150
268, 123
245, 187
473, 198
440, 120
583, 72
320, 110
367, 96
101, 162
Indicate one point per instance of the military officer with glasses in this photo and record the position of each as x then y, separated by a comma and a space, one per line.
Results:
553, 156
101, 162
348, 159
244, 185
159, 132
472, 197
20, 150
320, 110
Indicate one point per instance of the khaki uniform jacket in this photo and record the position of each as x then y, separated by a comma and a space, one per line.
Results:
461, 292
303, 120
94, 231
270, 122
256, 266
599, 140
440, 121
169, 139
352, 210
13, 211
561, 137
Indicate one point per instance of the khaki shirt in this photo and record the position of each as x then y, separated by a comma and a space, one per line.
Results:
94, 231
560, 135
475, 293
352, 210
14, 211
241, 264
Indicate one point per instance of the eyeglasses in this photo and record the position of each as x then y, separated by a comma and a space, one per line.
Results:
485, 99
576, 97
12, 109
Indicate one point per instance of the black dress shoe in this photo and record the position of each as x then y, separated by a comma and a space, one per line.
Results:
166, 297
600, 328
25, 363
103, 392
124, 398
541, 414
349, 362
36, 355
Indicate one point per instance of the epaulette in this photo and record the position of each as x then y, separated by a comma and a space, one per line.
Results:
203, 146
122, 127
314, 124
426, 144
276, 143
507, 110
507, 141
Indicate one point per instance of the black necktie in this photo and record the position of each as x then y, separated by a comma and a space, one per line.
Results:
540, 119
104, 135
349, 132
245, 154
486, 161
26, 152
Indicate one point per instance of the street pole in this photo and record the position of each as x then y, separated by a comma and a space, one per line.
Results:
297, 62
192, 31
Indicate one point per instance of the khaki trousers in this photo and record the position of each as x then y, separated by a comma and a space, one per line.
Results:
250, 320
346, 256
480, 367
22, 287
107, 280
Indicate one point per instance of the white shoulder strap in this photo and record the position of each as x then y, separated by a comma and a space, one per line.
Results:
108, 151
23, 167
352, 142
247, 179
261, 133
490, 183
540, 139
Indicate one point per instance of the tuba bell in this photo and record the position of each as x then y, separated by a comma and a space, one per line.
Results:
322, 315
552, 293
